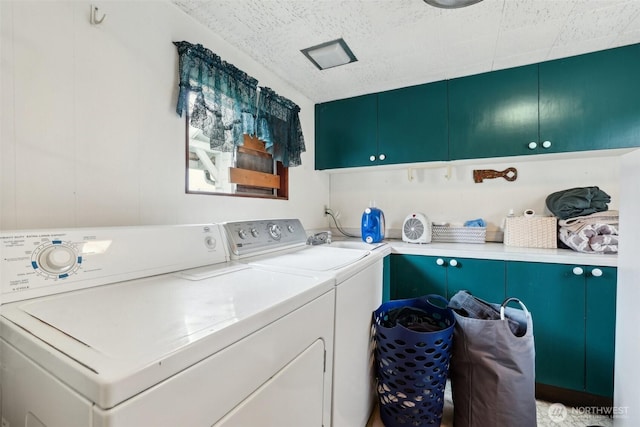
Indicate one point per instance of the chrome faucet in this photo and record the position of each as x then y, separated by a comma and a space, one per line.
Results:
319, 238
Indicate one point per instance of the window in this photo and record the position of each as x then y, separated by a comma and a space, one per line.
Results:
241, 139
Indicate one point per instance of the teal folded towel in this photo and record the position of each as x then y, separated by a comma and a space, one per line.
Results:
475, 223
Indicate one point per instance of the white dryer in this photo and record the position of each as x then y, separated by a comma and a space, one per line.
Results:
358, 275
153, 326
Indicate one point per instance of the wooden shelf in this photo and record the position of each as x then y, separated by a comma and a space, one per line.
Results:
253, 178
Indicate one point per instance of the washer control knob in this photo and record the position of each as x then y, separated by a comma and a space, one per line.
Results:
275, 231
440, 261
290, 228
242, 234
578, 271
255, 232
57, 259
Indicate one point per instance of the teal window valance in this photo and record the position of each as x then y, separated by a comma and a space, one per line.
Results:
223, 102
278, 125
220, 98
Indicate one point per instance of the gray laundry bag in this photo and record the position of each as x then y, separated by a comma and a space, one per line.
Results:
492, 368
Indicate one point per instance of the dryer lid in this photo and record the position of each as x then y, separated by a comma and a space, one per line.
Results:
114, 341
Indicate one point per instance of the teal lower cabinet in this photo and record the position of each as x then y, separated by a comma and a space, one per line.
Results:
573, 310
386, 278
556, 299
416, 275
484, 278
601, 322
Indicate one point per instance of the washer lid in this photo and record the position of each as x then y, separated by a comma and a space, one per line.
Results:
115, 341
314, 258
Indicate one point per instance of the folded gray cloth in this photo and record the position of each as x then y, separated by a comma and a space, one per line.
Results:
577, 201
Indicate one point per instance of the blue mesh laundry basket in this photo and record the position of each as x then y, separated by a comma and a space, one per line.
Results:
412, 363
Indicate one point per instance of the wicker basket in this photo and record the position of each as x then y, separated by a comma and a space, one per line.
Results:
446, 233
531, 232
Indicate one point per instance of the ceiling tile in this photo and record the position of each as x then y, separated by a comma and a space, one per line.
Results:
406, 42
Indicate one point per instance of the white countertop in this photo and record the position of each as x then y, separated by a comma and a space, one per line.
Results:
498, 251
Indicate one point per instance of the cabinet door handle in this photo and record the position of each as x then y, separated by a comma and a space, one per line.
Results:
382, 156
453, 263
546, 144
578, 271
440, 261
596, 272
533, 145
372, 158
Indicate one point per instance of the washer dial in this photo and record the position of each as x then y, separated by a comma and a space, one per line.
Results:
275, 231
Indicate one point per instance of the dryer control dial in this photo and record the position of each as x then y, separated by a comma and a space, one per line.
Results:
56, 259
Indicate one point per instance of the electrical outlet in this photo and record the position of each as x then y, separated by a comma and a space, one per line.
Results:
326, 208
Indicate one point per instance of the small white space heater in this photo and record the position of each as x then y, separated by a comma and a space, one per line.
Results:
416, 229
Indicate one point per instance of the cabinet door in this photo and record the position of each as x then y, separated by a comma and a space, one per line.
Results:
346, 132
412, 124
591, 101
601, 326
416, 275
484, 278
494, 114
386, 278
556, 299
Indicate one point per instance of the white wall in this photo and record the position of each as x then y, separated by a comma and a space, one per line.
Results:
627, 377
89, 132
458, 198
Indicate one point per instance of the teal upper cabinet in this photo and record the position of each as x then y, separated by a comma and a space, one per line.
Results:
412, 124
585, 102
346, 132
493, 114
399, 126
591, 101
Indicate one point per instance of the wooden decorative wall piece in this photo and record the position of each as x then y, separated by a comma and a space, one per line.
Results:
510, 174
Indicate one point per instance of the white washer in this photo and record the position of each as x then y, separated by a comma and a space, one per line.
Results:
358, 275
153, 326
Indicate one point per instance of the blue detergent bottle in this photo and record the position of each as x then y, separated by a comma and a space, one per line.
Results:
372, 227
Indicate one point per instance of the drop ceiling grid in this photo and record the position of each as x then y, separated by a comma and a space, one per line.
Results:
405, 42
